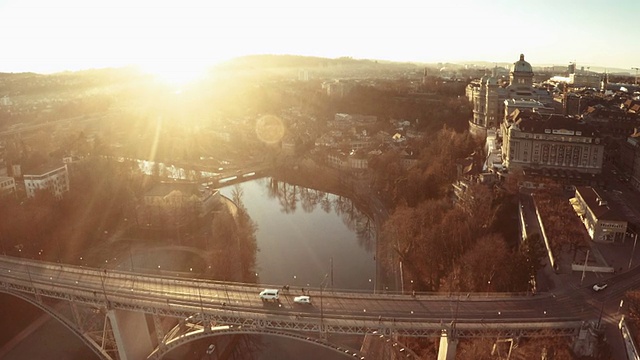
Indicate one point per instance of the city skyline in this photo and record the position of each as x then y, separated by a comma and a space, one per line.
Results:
180, 40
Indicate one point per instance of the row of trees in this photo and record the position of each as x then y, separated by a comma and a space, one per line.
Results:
59, 230
235, 246
560, 220
468, 246
447, 247
431, 178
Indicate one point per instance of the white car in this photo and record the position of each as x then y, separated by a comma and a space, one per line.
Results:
302, 299
270, 294
599, 287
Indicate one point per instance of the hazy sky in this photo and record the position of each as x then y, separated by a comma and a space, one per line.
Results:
183, 36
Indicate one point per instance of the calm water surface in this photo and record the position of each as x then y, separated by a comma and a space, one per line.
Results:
304, 235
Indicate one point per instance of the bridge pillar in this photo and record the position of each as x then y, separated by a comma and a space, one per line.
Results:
447, 348
131, 334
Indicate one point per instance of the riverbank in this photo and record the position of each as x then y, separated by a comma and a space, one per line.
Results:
147, 254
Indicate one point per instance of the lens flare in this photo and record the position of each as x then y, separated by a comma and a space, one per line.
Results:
270, 129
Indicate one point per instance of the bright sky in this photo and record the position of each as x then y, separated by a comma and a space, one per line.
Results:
184, 36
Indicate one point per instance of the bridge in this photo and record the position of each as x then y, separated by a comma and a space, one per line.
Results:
109, 309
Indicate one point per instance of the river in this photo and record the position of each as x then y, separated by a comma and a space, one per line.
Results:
305, 237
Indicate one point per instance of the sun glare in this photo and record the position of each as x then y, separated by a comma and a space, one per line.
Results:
176, 74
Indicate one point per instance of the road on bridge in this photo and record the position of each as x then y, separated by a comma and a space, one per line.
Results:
189, 296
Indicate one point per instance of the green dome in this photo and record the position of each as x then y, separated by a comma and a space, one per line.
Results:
521, 66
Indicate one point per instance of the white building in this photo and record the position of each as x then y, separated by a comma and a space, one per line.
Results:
54, 179
604, 221
5, 101
7, 186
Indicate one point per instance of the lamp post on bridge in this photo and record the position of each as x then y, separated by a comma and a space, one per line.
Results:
131, 257
31, 280
455, 316
322, 285
205, 326
331, 270
104, 290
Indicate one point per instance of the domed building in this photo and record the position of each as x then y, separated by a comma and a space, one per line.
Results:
493, 98
520, 79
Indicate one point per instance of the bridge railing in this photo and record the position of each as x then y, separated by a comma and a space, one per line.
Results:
182, 298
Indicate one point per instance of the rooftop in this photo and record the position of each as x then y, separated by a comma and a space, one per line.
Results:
598, 202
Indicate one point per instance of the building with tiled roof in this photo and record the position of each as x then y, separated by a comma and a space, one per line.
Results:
629, 160
602, 219
611, 120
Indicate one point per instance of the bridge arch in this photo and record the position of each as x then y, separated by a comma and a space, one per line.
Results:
70, 325
214, 331
184, 338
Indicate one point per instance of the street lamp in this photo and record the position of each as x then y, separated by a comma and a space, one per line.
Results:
600, 317
131, 258
322, 285
633, 250
584, 268
401, 279
104, 290
206, 326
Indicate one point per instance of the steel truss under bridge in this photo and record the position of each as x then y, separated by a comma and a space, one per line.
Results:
82, 298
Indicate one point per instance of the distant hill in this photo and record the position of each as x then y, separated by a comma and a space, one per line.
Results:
307, 62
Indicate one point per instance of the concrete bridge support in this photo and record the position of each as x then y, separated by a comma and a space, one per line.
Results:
131, 334
447, 348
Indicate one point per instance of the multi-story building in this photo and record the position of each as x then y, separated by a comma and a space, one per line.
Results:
52, 178
175, 204
488, 95
354, 161
7, 186
611, 120
337, 88
603, 220
535, 141
629, 160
